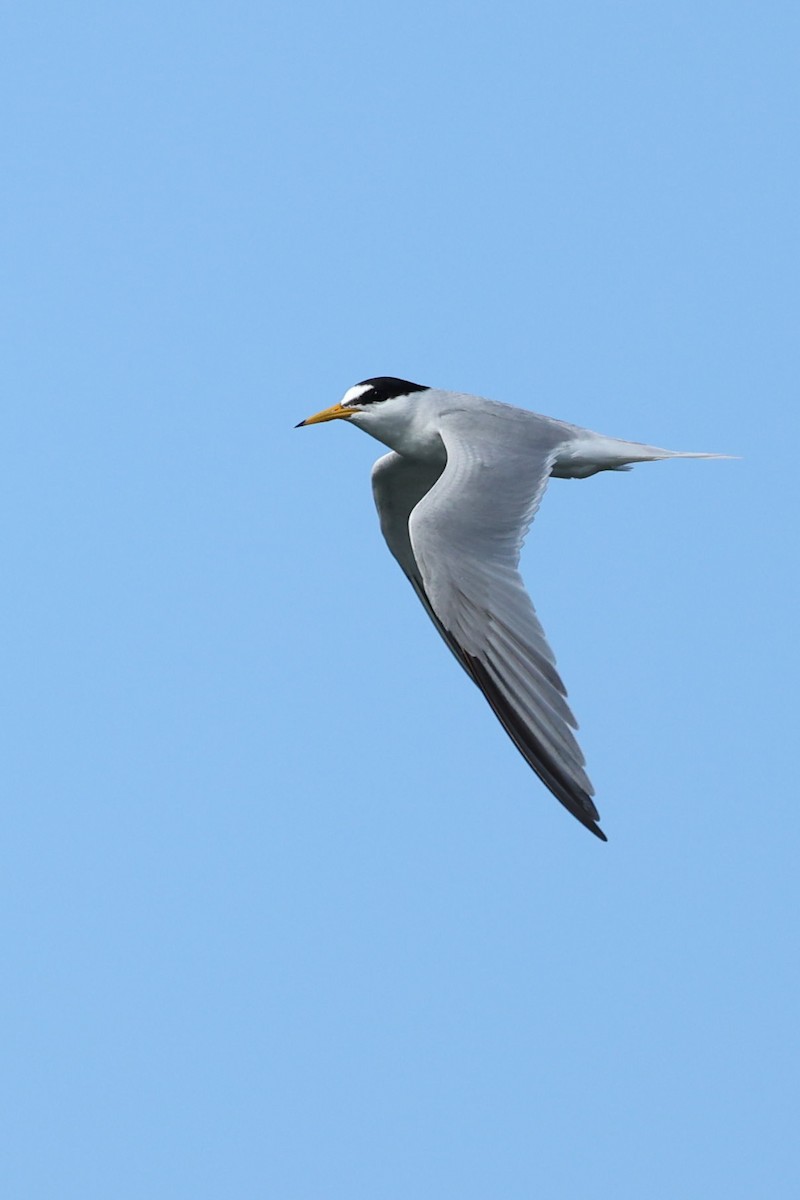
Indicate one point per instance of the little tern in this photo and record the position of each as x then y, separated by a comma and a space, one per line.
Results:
456, 496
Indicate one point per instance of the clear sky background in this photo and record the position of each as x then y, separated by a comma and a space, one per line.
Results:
284, 914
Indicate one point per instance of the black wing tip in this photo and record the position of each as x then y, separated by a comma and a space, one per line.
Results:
596, 830
582, 809
576, 801
588, 817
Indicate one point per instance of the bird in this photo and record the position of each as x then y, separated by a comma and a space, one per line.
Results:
456, 495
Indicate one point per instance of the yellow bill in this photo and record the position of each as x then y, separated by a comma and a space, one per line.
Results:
327, 414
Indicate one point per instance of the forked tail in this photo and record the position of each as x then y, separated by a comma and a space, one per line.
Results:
592, 452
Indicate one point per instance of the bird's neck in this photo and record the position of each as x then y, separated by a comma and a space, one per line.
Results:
407, 430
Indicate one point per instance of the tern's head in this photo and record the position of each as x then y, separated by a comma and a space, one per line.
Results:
371, 403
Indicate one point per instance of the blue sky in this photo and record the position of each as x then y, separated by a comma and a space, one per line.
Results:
283, 912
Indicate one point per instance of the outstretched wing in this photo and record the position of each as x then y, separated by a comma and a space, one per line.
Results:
457, 533
398, 485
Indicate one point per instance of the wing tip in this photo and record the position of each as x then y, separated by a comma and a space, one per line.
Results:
588, 817
595, 829
576, 800
583, 809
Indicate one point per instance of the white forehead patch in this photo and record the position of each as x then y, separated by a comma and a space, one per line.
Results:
353, 394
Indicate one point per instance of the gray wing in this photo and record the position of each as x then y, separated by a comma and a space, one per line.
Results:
398, 485
457, 532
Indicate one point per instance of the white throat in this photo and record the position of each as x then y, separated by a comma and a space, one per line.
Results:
406, 424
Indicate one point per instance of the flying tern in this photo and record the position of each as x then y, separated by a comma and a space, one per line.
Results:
455, 497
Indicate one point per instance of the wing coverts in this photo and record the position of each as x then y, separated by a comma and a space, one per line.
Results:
457, 532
